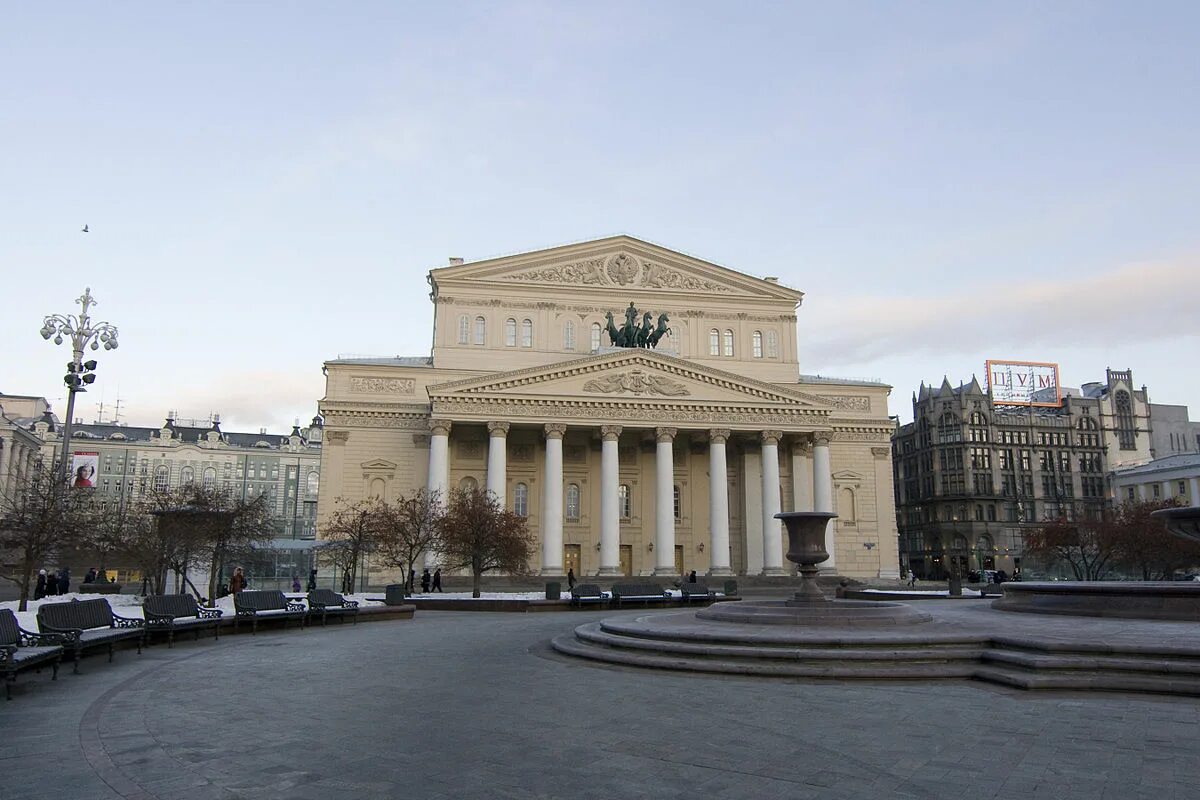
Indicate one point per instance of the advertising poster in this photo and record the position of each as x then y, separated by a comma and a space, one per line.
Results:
1024, 383
85, 467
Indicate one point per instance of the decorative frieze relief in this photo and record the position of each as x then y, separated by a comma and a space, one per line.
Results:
522, 452
589, 272
860, 436
361, 384
848, 402
637, 382
336, 437
554, 409
575, 453
527, 305
349, 420
621, 269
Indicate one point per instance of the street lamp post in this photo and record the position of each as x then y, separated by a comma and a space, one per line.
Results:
82, 333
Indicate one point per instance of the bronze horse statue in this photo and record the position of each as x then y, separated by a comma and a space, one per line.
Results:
659, 332
614, 335
633, 335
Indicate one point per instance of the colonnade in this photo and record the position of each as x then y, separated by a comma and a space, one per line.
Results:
17, 461
664, 484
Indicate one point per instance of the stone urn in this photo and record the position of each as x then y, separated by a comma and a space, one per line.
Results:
806, 547
1181, 522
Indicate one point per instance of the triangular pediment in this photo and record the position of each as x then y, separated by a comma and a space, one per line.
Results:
632, 375
617, 263
378, 465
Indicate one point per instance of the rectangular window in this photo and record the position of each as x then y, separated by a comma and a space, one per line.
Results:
1156, 490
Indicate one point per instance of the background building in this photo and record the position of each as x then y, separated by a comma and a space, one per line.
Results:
130, 460
970, 474
625, 460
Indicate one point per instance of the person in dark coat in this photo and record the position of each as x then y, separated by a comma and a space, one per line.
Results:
295, 583
437, 579
91, 576
312, 580
425, 578
39, 591
571, 578
64, 580
692, 576
412, 580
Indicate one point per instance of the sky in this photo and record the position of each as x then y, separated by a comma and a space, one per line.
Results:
266, 185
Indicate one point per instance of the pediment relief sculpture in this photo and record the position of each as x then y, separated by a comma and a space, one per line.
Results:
636, 382
620, 269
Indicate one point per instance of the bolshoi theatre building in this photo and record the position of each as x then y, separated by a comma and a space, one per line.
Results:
644, 409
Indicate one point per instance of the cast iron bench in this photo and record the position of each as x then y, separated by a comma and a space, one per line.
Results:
93, 624
586, 593
266, 604
696, 591
640, 592
21, 649
177, 612
330, 602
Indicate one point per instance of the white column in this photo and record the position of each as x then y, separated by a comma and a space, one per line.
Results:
497, 468
664, 501
823, 495
802, 475
439, 469
1166, 490
1142, 492
1194, 484
772, 528
610, 524
552, 502
718, 503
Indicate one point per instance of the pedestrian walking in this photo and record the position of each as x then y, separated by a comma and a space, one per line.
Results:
412, 580
91, 576
238, 582
425, 578
64, 580
437, 579
295, 583
39, 591
571, 578
692, 576
912, 578
312, 580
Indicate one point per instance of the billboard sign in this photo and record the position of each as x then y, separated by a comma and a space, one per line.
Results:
1023, 383
84, 469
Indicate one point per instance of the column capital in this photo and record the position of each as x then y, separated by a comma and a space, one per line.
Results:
498, 428
337, 437
822, 438
439, 427
555, 430
665, 434
610, 433
771, 437
718, 435
881, 452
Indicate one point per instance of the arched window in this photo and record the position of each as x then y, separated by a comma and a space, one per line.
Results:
210, 477
979, 513
624, 502
984, 544
846, 510
714, 342
573, 501
949, 428
758, 344
527, 333
480, 330
959, 543
186, 475
314, 482
678, 497
1126, 429
162, 478
510, 333
569, 335
772, 344
727, 350
378, 487
521, 500
464, 329
596, 332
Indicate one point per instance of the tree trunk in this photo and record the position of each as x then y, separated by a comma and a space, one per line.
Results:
195, 591
23, 584
476, 582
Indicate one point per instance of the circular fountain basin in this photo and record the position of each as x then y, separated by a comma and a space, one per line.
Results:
1154, 600
835, 613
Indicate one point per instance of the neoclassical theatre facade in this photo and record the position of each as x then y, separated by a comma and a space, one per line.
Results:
626, 460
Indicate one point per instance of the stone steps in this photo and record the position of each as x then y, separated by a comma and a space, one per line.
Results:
878, 655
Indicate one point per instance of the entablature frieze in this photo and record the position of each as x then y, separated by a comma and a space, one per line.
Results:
715, 315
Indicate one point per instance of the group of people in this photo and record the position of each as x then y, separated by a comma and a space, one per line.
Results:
429, 583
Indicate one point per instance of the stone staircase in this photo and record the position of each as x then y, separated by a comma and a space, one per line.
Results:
932, 653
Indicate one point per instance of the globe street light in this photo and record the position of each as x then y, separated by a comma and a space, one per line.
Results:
82, 333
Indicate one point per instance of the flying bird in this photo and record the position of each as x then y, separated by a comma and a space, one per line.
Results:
85, 230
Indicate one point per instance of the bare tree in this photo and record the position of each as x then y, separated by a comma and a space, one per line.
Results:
353, 531
235, 526
40, 517
477, 534
1147, 549
1091, 548
409, 527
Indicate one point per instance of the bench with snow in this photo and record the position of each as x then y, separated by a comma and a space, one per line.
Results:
91, 623
21, 649
696, 591
587, 593
330, 603
638, 592
267, 604
179, 612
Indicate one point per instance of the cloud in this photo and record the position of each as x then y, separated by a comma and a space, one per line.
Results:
1133, 303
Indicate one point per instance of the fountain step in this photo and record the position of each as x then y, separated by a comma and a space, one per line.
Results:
598, 634
1188, 669
1089, 680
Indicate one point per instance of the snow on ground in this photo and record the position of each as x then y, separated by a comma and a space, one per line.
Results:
942, 593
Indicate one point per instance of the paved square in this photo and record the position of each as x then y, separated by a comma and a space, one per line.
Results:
461, 705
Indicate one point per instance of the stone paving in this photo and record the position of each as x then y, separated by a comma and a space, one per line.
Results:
461, 705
